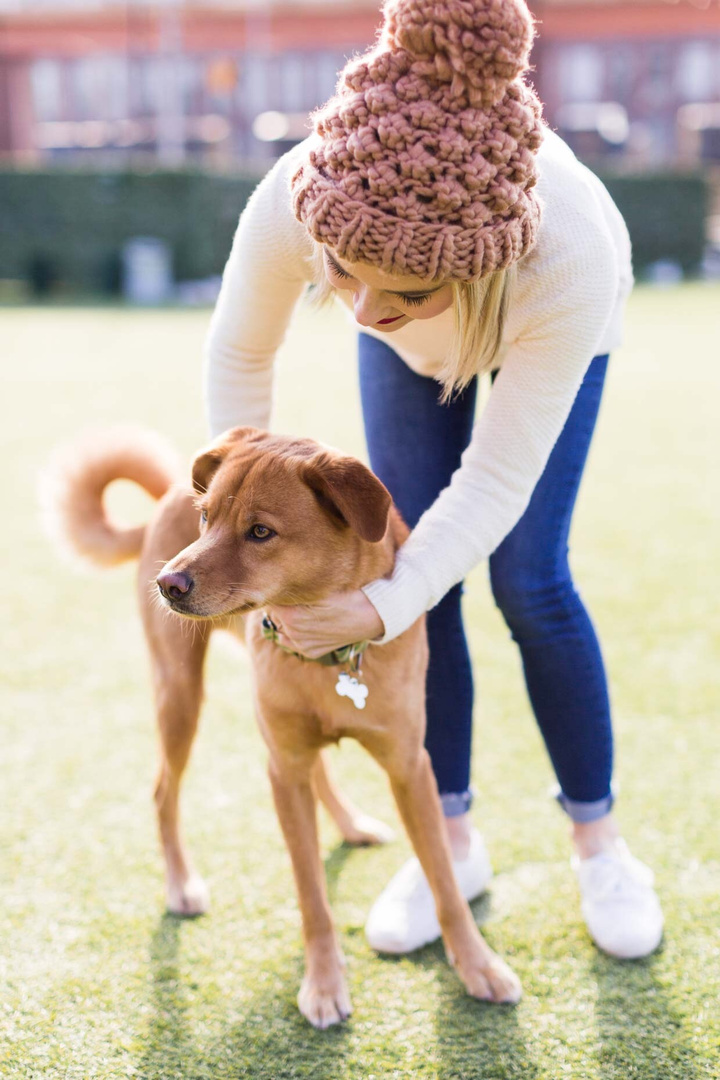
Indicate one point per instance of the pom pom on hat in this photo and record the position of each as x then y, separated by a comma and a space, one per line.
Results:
480, 44
426, 159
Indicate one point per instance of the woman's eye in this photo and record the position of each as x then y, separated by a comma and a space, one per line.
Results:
203, 517
414, 300
261, 532
337, 271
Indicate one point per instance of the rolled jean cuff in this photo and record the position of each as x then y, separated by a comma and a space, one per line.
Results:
584, 812
455, 803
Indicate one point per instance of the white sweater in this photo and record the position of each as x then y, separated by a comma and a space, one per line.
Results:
568, 308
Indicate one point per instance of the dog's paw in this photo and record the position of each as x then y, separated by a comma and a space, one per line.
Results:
188, 898
324, 1003
492, 981
363, 830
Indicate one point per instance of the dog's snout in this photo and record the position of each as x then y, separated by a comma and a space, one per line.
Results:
174, 586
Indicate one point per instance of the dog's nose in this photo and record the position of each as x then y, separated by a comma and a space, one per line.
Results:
174, 586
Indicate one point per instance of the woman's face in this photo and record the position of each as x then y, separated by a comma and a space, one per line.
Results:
385, 301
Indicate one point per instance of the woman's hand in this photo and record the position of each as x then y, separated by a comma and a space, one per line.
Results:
316, 629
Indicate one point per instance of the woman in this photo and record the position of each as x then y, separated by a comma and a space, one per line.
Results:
464, 237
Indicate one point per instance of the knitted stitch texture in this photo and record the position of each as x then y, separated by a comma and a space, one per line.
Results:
426, 159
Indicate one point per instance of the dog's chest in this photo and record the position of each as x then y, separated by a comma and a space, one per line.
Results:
330, 699
308, 702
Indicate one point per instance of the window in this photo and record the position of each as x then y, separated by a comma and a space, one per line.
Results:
695, 76
620, 73
292, 82
327, 66
253, 90
99, 88
46, 81
116, 73
581, 72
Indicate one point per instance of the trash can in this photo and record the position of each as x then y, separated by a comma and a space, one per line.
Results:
147, 271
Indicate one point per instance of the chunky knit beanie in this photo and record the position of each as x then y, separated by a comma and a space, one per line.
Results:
426, 160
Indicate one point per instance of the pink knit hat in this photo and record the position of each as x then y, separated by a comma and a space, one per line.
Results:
426, 159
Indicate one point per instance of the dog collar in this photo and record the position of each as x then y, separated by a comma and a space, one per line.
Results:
348, 655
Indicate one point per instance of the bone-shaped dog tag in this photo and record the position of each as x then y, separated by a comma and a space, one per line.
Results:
348, 686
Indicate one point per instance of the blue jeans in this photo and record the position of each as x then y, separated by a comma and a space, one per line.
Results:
415, 445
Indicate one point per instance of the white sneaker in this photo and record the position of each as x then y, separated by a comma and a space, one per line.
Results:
619, 903
403, 917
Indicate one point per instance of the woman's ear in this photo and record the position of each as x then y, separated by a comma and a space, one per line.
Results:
208, 461
352, 493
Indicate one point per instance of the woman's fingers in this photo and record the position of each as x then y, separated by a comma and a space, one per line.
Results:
313, 630
294, 638
310, 652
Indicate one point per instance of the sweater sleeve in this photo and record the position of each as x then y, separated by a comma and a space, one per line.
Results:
268, 268
513, 437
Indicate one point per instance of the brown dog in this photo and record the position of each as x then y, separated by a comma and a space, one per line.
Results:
282, 521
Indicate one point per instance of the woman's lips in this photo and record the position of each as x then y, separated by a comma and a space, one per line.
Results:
384, 322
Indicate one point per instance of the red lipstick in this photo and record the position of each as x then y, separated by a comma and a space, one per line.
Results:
382, 322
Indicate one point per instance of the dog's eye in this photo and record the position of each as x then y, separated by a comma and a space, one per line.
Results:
260, 532
203, 517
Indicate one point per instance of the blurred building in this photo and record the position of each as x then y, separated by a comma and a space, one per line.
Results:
635, 80
217, 81
212, 81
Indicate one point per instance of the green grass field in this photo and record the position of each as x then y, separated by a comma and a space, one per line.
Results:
98, 982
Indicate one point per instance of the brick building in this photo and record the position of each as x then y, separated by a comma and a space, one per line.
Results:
635, 79
223, 80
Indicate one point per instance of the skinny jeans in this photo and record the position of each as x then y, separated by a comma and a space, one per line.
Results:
415, 444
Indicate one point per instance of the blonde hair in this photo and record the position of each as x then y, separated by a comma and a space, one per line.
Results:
480, 310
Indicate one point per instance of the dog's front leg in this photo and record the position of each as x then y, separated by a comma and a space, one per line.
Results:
484, 974
323, 998
177, 662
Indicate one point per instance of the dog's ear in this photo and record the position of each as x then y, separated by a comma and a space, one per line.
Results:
208, 461
352, 493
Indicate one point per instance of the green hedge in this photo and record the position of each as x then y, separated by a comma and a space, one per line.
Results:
666, 216
64, 230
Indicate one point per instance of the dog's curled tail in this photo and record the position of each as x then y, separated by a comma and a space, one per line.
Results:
72, 486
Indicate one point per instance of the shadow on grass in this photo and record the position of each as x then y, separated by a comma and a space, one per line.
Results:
273, 1041
474, 1040
277, 1043
334, 864
639, 1029
167, 1044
